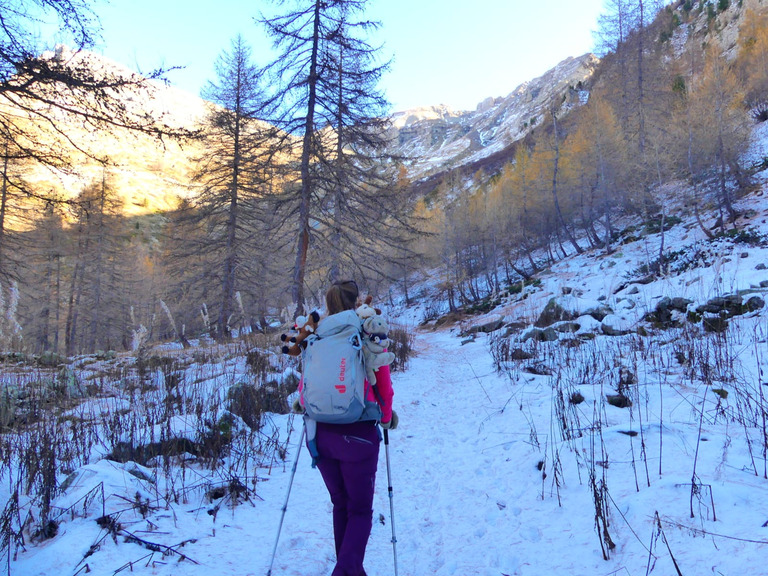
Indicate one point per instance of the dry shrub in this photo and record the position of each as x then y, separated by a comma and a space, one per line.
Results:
402, 346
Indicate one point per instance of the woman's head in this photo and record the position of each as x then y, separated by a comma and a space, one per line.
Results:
341, 296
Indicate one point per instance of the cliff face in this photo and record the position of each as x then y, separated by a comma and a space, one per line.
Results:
436, 139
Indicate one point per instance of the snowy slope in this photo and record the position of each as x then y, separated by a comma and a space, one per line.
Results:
496, 472
484, 483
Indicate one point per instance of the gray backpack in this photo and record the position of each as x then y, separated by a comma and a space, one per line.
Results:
334, 372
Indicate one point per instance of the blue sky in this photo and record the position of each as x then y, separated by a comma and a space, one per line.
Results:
444, 51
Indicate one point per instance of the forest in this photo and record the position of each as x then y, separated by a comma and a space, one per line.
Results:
579, 334
294, 182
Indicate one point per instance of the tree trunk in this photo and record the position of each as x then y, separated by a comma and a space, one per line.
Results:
73, 307
338, 199
640, 86
230, 258
300, 266
3, 208
567, 232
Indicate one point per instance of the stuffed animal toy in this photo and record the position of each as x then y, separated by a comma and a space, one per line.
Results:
305, 326
375, 342
365, 310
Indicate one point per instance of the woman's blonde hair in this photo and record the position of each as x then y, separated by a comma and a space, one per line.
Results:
341, 296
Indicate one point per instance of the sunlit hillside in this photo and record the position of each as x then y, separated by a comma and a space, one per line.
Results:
148, 173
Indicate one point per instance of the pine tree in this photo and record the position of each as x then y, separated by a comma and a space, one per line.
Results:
235, 175
345, 203
46, 90
97, 308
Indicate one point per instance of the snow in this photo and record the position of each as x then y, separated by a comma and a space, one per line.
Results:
485, 480
495, 472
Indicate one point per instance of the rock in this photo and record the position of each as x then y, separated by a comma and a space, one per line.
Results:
664, 308
520, 354
598, 312
626, 304
538, 370
761, 266
546, 335
613, 325
485, 328
716, 324
626, 377
618, 400
754, 303
680, 304
662, 312
565, 327
588, 324
553, 312
731, 305
514, 328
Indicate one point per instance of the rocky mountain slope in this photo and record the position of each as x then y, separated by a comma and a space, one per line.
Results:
151, 174
148, 173
436, 139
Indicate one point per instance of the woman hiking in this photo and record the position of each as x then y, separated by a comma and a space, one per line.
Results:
347, 454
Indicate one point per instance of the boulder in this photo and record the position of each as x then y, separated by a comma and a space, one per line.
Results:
618, 400
598, 312
731, 305
520, 354
553, 312
570, 307
514, 328
613, 325
662, 314
715, 324
754, 303
546, 335
566, 327
538, 369
484, 328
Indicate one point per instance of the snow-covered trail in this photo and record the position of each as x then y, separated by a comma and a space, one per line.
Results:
468, 465
450, 475
466, 502
452, 504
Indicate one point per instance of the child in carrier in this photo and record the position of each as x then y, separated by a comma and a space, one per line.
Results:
347, 454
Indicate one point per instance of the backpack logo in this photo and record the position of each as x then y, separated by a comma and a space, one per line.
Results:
342, 388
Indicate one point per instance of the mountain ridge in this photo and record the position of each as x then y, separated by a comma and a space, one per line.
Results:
151, 175
436, 138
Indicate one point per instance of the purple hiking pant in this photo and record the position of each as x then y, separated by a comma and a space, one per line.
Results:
348, 456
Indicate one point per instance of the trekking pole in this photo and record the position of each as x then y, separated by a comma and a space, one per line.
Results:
391, 498
287, 496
